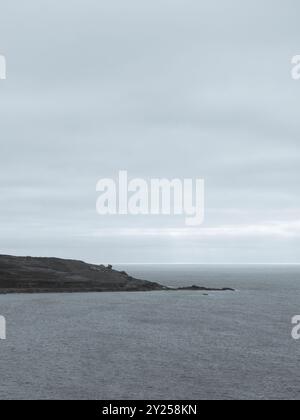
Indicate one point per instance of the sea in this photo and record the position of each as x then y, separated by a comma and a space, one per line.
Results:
158, 345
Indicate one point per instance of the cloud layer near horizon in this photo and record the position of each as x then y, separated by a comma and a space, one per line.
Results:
177, 88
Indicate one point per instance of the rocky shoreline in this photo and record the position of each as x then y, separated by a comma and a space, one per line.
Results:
55, 275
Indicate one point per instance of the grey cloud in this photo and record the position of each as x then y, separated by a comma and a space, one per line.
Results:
165, 88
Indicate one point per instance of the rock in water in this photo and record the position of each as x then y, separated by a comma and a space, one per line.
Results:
45, 275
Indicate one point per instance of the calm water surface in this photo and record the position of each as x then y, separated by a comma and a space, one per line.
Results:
160, 345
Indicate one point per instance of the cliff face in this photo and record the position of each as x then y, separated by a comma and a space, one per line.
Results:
31, 275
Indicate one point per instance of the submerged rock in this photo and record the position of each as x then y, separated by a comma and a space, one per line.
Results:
206, 289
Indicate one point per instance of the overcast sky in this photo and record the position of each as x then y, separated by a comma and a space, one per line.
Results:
161, 88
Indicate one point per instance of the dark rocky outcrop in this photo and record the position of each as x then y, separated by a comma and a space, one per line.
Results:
31, 275
205, 289
45, 275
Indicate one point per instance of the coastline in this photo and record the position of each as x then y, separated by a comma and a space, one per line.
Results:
73, 291
29, 275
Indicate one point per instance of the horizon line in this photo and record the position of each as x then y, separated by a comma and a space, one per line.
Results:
182, 263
